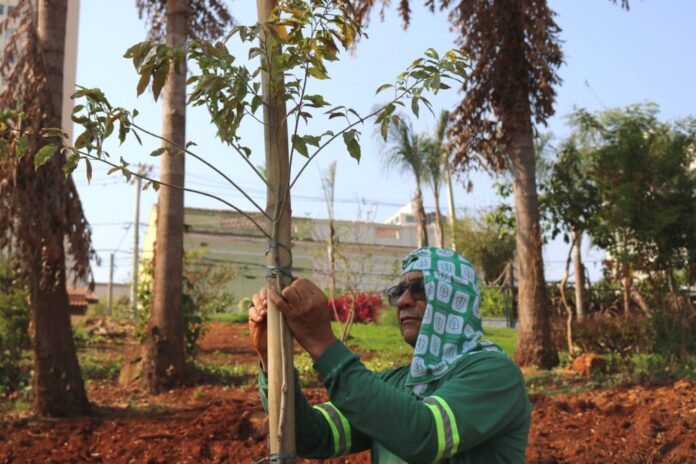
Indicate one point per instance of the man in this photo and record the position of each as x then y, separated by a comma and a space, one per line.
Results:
461, 400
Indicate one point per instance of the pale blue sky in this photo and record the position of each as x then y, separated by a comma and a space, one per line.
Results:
626, 57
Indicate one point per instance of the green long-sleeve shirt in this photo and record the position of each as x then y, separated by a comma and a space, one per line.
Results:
478, 412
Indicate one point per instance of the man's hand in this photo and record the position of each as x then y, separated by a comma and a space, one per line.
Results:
258, 326
306, 311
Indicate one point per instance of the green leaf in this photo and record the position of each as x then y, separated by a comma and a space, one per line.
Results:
88, 167
383, 87
414, 106
350, 139
312, 140
44, 154
158, 151
112, 170
316, 101
22, 145
317, 73
299, 144
159, 80
143, 82
255, 103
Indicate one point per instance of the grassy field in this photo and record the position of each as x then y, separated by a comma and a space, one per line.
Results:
387, 342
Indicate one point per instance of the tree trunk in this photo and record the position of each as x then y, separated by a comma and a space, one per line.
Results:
165, 359
626, 289
57, 381
450, 204
420, 216
438, 220
534, 345
579, 276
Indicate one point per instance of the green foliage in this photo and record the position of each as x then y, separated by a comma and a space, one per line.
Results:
296, 44
493, 302
100, 366
614, 335
204, 294
642, 171
488, 245
14, 328
235, 317
226, 374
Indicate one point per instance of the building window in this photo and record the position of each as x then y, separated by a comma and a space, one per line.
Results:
383, 232
2, 9
410, 219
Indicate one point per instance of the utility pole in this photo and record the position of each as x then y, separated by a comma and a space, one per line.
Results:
136, 245
142, 171
110, 295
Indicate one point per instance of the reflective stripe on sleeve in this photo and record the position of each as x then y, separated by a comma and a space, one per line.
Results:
446, 427
340, 427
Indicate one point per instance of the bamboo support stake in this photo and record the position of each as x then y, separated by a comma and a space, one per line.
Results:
281, 385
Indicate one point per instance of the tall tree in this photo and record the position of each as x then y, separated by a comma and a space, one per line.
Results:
404, 150
39, 204
437, 170
571, 200
176, 21
646, 191
516, 54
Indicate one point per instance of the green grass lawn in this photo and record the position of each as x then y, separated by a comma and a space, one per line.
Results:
236, 317
386, 341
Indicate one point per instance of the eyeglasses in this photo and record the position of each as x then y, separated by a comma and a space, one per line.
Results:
416, 288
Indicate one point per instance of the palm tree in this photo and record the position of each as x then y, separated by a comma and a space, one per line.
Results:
404, 150
438, 170
433, 174
516, 53
39, 208
176, 21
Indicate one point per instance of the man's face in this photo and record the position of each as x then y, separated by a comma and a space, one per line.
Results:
410, 310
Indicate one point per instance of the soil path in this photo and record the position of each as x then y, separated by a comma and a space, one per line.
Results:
219, 423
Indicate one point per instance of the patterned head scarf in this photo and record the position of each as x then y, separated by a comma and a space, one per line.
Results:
451, 326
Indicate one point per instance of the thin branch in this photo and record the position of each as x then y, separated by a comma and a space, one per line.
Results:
185, 189
360, 121
210, 165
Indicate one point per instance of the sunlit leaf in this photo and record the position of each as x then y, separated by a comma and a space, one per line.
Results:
44, 154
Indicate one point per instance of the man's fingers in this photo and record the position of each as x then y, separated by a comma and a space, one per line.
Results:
278, 300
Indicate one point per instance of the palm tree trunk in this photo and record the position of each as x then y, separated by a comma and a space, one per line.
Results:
57, 381
450, 204
438, 219
420, 216
165, 363
534, 346
579, 276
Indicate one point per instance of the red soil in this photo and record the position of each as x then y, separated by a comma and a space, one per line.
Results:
215, 423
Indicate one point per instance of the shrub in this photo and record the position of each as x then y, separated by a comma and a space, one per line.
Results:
367, 307
492, 302
674, 326
607, 334
14, 328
